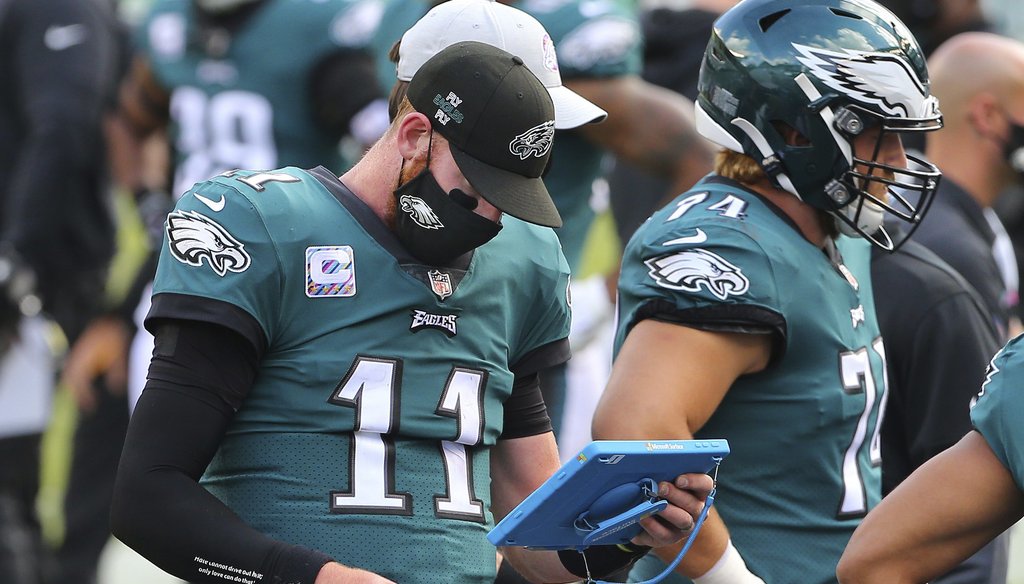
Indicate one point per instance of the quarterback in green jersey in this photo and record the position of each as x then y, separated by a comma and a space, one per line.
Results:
956, 502
746, 308
345, 381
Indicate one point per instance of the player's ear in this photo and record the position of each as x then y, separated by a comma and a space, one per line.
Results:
413, 135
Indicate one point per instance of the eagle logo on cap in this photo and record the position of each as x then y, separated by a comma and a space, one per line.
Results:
534, 142
420, 212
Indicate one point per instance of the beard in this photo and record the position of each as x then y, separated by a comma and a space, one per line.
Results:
405, 173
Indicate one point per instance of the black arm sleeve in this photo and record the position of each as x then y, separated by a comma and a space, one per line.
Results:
525, 413
159, 509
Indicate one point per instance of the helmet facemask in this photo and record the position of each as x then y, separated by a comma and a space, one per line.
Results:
872, 193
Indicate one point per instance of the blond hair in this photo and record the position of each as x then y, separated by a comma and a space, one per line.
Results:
738, 167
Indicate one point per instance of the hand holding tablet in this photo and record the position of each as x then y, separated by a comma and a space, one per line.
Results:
599, 497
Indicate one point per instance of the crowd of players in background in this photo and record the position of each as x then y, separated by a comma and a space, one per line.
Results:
109, 100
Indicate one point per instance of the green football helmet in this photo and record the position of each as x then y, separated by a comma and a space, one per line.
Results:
829, 69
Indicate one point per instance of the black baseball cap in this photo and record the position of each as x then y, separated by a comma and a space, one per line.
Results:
499, 122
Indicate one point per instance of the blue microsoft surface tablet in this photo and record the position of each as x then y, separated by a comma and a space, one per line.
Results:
598, 497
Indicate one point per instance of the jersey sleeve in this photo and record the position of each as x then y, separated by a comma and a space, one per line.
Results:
548, 313
712, 277
999, 408
218, 263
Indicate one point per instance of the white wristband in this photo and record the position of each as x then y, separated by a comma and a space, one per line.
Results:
729, 569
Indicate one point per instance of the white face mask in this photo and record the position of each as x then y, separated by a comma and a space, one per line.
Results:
219, 6
870, 219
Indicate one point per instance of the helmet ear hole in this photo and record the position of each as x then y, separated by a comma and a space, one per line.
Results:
791, 135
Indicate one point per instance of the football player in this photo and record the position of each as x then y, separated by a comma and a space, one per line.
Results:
956, 502
746, 307
351, 364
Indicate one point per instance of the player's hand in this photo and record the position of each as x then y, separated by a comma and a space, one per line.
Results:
686, 499
335, 573
101, 350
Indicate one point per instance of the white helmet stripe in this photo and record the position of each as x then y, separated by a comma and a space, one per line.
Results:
766, 151
710, 129
826, 114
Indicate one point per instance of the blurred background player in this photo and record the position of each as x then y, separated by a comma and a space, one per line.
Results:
60, 64
675, 36
746, 306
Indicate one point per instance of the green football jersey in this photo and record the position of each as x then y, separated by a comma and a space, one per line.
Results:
999, 408
368, 429
804, 467
593, 39
250, 107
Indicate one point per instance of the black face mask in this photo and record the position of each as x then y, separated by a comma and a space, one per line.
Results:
1013, 149
436, 226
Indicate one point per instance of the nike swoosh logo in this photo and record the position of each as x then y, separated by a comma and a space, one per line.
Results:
58, 38
213, 205
698, 237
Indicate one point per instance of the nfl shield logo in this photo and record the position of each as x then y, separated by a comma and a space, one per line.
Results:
440, 283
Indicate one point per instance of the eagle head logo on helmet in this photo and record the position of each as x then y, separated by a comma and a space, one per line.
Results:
193, 236
881, 79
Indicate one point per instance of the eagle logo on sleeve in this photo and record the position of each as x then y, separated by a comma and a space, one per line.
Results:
420, 212
692, 269
193, 237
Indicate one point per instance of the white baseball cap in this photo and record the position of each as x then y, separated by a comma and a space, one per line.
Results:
504, 27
